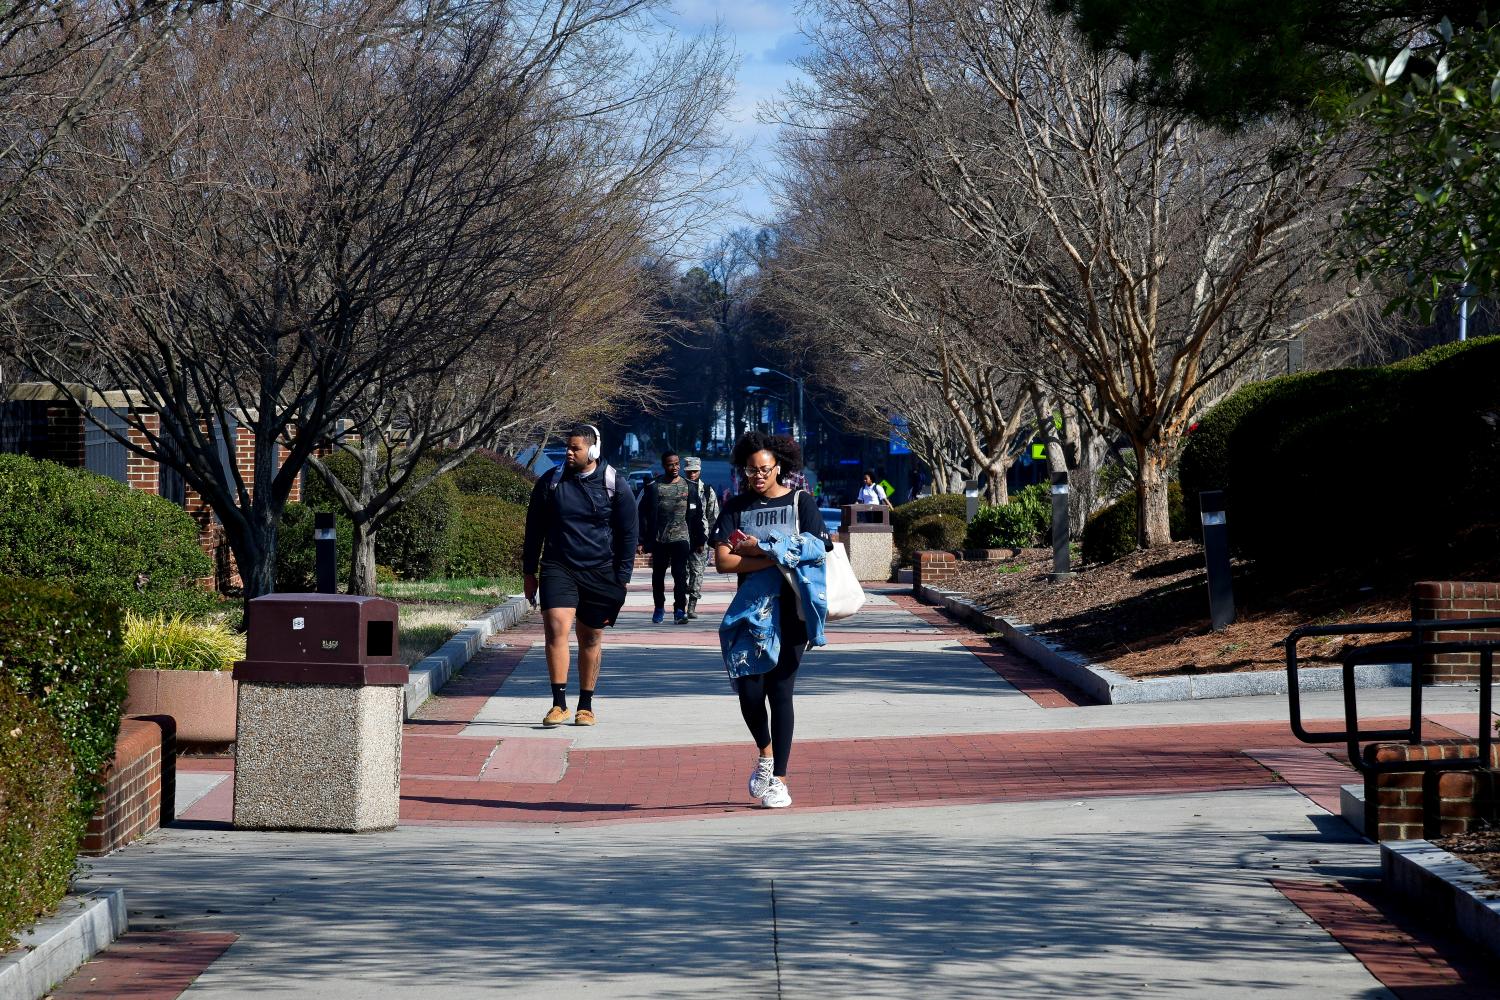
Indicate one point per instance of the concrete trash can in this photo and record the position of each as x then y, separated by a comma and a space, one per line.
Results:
866, 533
318, 732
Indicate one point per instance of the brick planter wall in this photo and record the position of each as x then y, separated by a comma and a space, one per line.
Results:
933, 568
1458, 601
1410, 805
134, 790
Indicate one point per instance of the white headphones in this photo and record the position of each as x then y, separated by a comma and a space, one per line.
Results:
594, 450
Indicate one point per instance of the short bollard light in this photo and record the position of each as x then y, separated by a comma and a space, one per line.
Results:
1060, 532
1216, 559
325, 545
971, 500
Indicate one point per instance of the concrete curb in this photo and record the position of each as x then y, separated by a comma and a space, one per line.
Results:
85, 924
1111, 688
1446, 887
430, 674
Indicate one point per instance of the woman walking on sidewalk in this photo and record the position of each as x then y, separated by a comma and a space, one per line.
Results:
772, 620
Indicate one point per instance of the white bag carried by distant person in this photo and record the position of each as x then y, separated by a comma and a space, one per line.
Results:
845, 595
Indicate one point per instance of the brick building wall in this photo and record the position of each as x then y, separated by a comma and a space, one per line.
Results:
65, 435
1458, 601
1410, 805
141, 473
132, 805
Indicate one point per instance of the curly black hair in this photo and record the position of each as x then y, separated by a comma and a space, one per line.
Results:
787, 451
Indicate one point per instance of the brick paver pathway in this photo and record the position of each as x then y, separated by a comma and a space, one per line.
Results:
458, 773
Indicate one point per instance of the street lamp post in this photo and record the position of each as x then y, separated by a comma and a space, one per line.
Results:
801, 424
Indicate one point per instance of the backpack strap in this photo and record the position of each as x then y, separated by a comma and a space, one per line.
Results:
611, 482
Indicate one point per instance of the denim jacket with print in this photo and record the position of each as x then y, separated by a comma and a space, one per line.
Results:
750, 635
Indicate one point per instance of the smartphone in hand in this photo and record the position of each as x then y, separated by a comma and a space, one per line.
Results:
736, 538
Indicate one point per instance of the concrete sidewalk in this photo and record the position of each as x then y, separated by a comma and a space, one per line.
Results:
960, 829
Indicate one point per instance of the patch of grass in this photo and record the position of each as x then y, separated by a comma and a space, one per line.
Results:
1006, 569
467, 590
425, 627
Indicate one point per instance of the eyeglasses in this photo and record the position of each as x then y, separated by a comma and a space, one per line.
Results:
751, 472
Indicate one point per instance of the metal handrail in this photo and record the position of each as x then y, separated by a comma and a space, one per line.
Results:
1418, 646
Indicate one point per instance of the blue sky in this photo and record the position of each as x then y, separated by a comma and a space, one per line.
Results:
765, 35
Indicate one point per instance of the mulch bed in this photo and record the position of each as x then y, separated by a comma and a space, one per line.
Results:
1146, 615
1480, 848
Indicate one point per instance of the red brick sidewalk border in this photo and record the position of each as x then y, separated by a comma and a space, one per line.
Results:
1408, 957
146, 965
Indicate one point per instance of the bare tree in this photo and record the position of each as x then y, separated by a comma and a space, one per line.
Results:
1156, 255
862, 265
359, 201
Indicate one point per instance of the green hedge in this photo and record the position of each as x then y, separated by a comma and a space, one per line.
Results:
1023, 522
413, 541
1315, 463
487, 537
64, 653
1112, 532
907, 514
39, 827
939, 532
487, 474
101, 538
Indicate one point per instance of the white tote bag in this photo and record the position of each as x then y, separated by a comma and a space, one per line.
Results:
845, 595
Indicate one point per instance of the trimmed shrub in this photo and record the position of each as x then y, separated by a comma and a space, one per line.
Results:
172, 642
413, 540
63, 652
101, 538
1314, 463
485, 473
487, 537
39, 827
1112, 532
1204, 463
1023, 522
904, 516
296, 553
940, 532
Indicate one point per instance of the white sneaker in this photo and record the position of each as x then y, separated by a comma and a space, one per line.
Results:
777, 796
760, 778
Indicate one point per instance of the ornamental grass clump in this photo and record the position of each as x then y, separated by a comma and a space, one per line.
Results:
177, 642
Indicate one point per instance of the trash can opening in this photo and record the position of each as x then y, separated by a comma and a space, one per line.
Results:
380, 638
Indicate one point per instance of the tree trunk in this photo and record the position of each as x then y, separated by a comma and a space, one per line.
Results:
997, 490
255, 551
362, 564
1152, 517
258, 573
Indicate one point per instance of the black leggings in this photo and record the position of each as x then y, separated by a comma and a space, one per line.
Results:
776, 688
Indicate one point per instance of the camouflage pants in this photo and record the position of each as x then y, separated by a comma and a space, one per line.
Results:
697, 566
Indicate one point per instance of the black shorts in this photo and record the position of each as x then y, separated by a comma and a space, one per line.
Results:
594, 592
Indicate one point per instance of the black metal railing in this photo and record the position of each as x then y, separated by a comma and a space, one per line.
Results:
1415, 650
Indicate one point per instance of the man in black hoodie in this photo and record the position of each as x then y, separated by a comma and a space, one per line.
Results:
581, 527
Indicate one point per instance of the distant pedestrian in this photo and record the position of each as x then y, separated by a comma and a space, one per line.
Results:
665, 534
872, 492
773, 618
703, 512
581, 528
